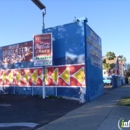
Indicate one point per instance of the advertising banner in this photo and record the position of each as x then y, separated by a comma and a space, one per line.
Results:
67, 75
17, 53
42, 49
21, 77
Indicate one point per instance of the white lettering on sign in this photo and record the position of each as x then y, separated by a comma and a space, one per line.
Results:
42, 46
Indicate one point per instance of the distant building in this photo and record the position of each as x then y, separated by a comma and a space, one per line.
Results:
115, 67
121, 68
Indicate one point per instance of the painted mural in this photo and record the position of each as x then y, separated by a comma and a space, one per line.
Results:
65, 76
54, 76
21, 77
17, 53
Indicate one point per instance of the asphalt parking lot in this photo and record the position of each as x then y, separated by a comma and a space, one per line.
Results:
20, 112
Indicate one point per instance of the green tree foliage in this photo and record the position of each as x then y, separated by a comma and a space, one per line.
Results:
121, 58
110, 55
107, 66
104, 61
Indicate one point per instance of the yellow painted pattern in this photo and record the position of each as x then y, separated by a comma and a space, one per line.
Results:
34, 77
66, 76
46, 76
54, 76
10, 77
73, 71
4, 76
80, 76
41, 76
26, 76
18, 76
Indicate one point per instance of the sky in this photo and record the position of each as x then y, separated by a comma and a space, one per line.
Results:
110, 19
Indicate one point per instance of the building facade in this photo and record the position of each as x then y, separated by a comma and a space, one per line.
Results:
77, 65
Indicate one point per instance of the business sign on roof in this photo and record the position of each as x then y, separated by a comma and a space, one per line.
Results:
17, 53
42, 49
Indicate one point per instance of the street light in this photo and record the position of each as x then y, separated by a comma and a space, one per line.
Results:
40, 6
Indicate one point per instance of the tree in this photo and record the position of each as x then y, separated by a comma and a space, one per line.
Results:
107, 66
110, 55
121, 58
115, 66
104, 61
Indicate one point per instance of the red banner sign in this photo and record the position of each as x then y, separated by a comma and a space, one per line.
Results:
17, 53
43, 49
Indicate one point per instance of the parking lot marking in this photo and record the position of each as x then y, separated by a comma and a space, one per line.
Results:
5, 105
26, 124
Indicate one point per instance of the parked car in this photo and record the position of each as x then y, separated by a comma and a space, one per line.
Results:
107, 80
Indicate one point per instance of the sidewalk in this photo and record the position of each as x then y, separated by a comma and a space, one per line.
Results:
100, 114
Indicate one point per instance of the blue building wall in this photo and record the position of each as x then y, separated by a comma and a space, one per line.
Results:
68, 43
73, 43
68, 48
94, 64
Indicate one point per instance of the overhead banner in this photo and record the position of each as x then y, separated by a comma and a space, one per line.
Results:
42, 49
21, 52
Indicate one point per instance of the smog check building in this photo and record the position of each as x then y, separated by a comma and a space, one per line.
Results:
64, 60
